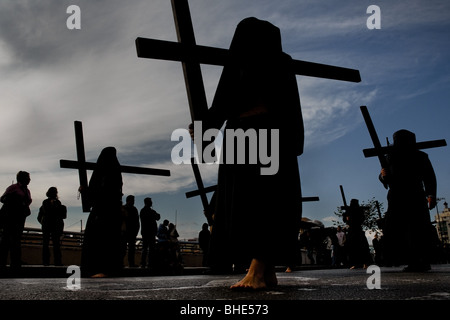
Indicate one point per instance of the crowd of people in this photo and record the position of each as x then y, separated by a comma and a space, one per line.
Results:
338, 247
105, 247
112, 231
112, 227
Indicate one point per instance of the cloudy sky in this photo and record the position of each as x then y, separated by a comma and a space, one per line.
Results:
52, 76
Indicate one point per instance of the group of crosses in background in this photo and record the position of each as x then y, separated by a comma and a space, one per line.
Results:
191, 57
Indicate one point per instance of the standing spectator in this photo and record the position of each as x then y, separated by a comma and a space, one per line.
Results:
175, 261
204, 237
16, 208
308, 242
149, 230
341, 255
163, 247
132, 227
163, 231
376, 242
51, 217
173, 233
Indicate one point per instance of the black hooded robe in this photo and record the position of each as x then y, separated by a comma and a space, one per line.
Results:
411, 179
101, 252
257, 215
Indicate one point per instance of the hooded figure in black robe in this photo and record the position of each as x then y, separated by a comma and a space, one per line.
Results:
257, 216
412, 193
356, 242
101, 254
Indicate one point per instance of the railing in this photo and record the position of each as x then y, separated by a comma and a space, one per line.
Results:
70, 239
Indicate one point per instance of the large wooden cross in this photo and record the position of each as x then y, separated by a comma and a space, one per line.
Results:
192, 55
381, 152
83, 166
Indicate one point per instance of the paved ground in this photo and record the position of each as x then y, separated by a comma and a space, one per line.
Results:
179, 294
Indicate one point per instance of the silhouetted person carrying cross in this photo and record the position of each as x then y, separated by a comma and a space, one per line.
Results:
257, 91
356, 242
101, 254
412, 193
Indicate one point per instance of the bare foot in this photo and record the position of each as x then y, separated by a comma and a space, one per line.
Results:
258, 277
99, 275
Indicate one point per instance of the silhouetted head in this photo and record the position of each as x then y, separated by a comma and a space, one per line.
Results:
108, 158
130, 199
255, 39
148, 202
23, 178
354, 203
404, 139
52, 192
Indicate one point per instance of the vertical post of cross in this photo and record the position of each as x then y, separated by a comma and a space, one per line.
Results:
191, 69
195, 88
345, 207
200, 185
81, 159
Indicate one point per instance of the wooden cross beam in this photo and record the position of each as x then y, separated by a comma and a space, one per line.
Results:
372, 152
374, 136
192, 55
310, 199
192, 71
83, 166
173, 51
345, 206
202, 191
380, 151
